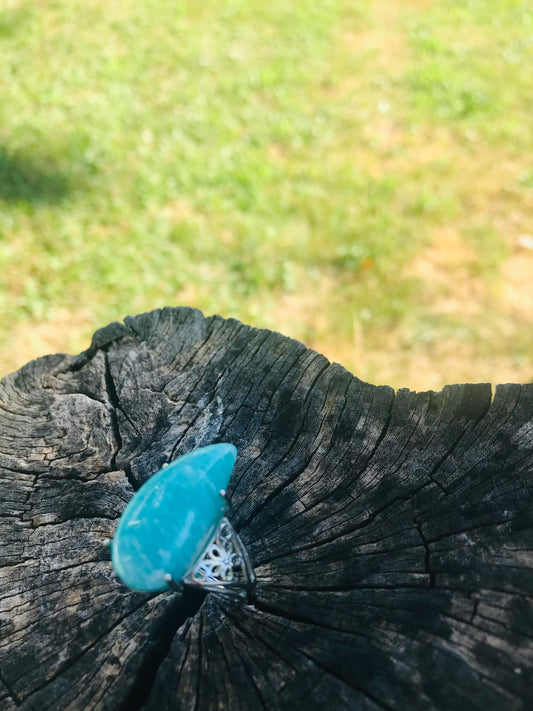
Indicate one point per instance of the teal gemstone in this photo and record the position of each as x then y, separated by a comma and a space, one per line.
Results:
169, 522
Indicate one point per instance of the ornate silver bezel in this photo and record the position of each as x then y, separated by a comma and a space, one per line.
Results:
224, 567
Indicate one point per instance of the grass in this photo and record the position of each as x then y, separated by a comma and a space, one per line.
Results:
357, 176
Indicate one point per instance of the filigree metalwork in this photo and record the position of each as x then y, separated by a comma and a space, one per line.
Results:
224, 567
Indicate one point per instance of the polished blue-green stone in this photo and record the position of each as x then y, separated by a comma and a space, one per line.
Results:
171, 519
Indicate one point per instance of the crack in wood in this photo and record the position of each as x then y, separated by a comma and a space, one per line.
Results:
115, 405
199, 664
269, 441
336, 479
75, 658
427, 554
292, 618
335, 535
289, 480
12, 695
185, 607
250, 676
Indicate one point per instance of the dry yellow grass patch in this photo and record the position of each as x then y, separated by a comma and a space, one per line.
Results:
65, 332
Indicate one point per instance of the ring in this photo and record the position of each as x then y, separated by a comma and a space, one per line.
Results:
174, 531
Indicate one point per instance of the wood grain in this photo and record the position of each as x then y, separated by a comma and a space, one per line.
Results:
391, 533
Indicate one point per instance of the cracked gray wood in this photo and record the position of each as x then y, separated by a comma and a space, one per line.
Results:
392, 533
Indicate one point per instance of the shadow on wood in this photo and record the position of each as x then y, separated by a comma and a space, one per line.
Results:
391, 533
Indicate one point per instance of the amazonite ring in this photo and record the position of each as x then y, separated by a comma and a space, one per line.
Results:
174, 532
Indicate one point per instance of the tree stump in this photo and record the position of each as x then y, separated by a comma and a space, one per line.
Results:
391, 533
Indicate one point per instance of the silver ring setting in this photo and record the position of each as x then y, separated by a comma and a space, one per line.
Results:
224, 567
175, 533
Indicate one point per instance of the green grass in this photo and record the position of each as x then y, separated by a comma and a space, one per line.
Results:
294, 165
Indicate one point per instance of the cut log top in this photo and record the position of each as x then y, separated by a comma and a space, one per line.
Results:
391, 533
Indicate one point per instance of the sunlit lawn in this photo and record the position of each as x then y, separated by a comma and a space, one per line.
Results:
358, 175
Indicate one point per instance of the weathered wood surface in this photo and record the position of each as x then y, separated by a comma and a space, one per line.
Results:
392, 534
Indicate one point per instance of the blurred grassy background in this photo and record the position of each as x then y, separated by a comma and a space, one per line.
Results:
357, 175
